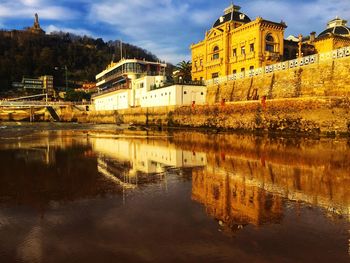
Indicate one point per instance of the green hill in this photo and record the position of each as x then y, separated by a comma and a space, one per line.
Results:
33, 55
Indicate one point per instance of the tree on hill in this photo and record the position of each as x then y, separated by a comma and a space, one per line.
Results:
31, 55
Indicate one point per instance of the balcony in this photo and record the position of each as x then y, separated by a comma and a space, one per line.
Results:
233, 59
196, 69
271, 55
241, 57
250, 55
111, 89
215, 62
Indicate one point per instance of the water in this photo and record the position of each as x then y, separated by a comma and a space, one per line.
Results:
96, 193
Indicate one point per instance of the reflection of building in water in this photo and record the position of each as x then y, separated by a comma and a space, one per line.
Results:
138, 161
313, 172
229, 198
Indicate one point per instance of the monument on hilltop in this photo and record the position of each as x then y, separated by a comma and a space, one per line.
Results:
36, 29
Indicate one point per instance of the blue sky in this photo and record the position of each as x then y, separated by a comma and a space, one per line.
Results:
164, 27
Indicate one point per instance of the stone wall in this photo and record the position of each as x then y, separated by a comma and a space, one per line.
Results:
326, 78
299, 115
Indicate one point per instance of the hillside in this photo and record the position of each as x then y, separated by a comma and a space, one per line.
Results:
31, 55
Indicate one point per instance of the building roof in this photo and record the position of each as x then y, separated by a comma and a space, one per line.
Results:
337, 30
232, 14
336, 26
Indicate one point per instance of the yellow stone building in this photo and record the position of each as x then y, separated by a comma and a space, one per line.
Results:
337, 35
235, 44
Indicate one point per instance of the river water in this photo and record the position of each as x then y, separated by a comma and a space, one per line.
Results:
98, 193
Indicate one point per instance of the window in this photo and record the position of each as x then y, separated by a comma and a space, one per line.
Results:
242, 69
200, 62
234, 53
269, 43
201, 93
234, 71
185, 92
251, 47
215, 75
216, 53
243, 50
251, 68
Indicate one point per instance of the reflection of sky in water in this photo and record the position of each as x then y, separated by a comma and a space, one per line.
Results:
76, 196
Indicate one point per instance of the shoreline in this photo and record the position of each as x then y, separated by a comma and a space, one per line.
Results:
289, 117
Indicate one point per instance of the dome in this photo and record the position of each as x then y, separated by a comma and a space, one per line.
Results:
336, 26
232, 14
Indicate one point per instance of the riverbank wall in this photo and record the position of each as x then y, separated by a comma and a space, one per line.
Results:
315, 115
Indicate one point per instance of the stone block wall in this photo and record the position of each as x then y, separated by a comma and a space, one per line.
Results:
326, 78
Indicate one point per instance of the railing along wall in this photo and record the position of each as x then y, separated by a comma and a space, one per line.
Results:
285, 65
5, 103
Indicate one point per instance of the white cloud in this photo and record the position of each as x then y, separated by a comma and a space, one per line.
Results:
301, 17
202, 17
78, 31
153, 25
168, 53
27, 9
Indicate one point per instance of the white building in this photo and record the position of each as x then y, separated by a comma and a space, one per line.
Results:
147, 157
139, 83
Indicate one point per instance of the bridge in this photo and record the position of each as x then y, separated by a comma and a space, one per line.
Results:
27, 103
40, 104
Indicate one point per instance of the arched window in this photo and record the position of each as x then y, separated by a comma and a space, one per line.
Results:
270, 43
216, 52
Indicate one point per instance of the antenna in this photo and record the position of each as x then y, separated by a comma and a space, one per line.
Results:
121, 49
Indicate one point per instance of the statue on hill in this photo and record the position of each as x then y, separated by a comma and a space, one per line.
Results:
36, 29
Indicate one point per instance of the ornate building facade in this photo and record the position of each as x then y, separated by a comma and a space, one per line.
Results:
236, 44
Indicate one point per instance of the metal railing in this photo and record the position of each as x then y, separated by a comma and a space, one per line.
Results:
41, 103
108, 90
289, 64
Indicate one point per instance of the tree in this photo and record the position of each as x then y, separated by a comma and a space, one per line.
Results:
185, 68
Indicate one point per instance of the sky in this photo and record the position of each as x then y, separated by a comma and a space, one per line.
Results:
166, 28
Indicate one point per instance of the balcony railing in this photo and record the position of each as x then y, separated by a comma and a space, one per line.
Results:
124, 72
108, 90
180, 82
215, 62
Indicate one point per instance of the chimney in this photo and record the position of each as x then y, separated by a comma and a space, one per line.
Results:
312, 36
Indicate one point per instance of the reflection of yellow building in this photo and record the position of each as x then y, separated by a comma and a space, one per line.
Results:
230, 199
337, 35
236, 44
